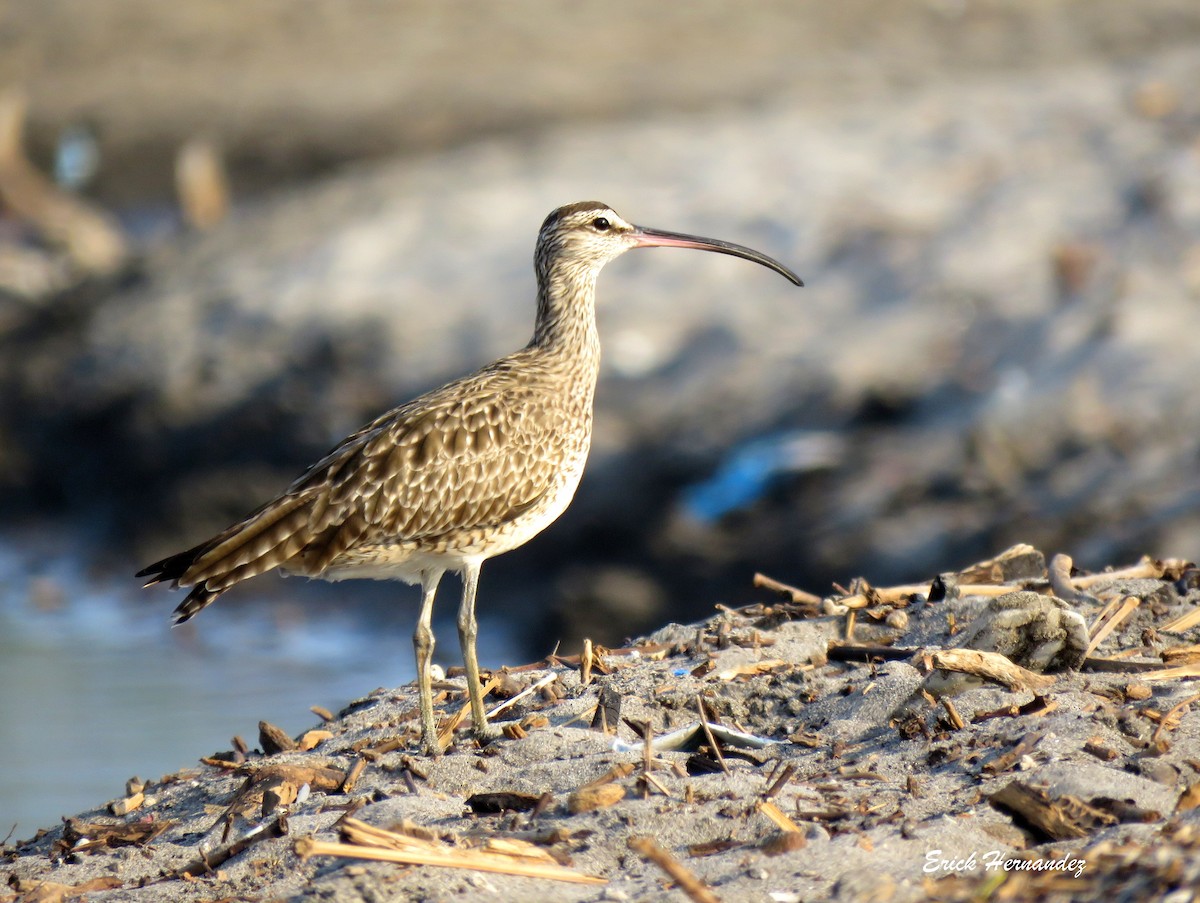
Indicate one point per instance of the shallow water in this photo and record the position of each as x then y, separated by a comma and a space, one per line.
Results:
97, 687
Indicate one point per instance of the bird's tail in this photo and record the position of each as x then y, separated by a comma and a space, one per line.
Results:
266, 539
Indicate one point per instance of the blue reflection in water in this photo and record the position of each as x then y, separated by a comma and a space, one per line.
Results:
751, 469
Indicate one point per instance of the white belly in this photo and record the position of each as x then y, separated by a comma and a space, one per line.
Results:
407, 559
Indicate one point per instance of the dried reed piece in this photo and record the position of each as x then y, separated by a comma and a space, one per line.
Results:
778, 817
504, 857
1109, 620
1179, 625
696, 890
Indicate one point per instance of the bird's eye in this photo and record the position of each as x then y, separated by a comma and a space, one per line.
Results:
600, 224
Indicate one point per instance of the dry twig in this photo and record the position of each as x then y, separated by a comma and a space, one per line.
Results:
1170, 721
988, 665
696, 890
798, 596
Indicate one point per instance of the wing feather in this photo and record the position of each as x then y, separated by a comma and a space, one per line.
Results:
471, 455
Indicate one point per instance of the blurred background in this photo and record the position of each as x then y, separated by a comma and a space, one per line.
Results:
229, 235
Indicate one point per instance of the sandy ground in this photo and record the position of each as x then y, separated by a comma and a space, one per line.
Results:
852, 784
997, 209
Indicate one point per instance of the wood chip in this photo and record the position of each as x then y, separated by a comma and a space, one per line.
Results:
1035, 708
321, 712
589, 799
712, 847
128, 804
1181, 655
708, 734
751, 669
1137, 691
276, 785
1063, 818
842, 652
956, 720
507, 685
227, 764
649, 780
986, 590
1189, 799
1007, 760
1095, 746
608, 710
283, 794
883, 595
988, 665
311, 739
273, 740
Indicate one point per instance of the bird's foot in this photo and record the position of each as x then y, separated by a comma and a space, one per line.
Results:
431, 745
486, 733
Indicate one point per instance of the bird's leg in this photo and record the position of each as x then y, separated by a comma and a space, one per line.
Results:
468, 630
423, 641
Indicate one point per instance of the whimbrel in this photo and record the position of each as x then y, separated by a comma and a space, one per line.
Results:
457, 476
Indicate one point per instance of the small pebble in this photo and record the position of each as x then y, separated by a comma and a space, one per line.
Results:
1138, 691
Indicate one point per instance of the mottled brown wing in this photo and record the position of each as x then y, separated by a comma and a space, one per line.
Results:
472, 454
454, 461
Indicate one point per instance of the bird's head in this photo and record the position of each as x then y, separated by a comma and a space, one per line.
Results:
588, 234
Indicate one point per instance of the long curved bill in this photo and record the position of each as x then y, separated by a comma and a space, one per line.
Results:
656, 238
